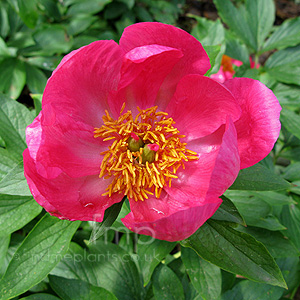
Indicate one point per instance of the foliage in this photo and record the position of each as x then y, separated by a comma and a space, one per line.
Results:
224, 259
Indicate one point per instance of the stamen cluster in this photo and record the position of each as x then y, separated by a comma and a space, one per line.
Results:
132, 175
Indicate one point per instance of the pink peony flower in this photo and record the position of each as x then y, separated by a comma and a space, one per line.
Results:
226, 70
140, 119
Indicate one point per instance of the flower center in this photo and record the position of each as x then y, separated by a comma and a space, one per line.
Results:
145, 154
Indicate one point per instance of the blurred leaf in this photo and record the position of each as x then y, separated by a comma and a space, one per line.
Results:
228, 212
28, 12
275, 242
253, 291
259, 178
205, 277
37, 100
115, 10
14, 182
236, 49
4, 51
12, 77
80, 23
235, 252
45, 63
73, 289
40, 296
284, 65
36, 79
292, 172
164, 12
16, 212
291, 121
14, 117
87, 6
166, 284
52, 39
150, 253
129, 3
36, 257
286, 35
4, 23
142, 14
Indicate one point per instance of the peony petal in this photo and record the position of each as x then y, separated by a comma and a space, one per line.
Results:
83, 81
64, 146
215, 170
167, 218
69, 198
143, 71
259, 126
194, 60
200, 106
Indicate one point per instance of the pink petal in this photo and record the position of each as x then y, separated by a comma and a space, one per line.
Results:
194, 60
69, 198
259, 126
200, 106
83, 81
59, 144
143, 71
168, 219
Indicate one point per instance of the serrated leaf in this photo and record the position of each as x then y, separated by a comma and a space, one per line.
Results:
205, 277
228, 212
286, 35
37, 256
73, 289
284, 65
150, 253
166, 285
259, 178
235, 252
16, 212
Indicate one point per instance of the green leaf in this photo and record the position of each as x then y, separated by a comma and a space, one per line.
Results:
284, 65
255, 211
87, 7
114, 262
274, 198
292, 172
235, 252
290, 217
80, 23
4, 51
16, 211
4, 243
28, 12
275, 242
12, 77
37, 256
166, 284
287, 94
14, 117
205, 277
40, 296
291, 121
52, 39
259, 178
228, 212
73, 289
150, 253
236, 49
7, 162
37, 100
45, 63
36, 79
110, 215
14, 183
213, 52
286, 35
253, 291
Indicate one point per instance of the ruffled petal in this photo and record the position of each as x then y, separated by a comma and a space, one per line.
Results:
200, 106
69, 198
194, 60
81, 84
167, 218
143, 71
259, 126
